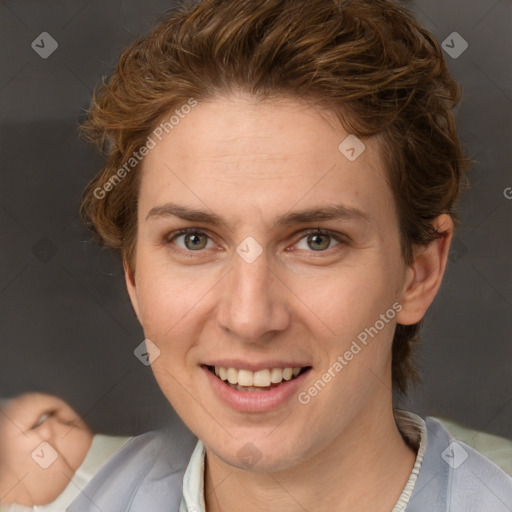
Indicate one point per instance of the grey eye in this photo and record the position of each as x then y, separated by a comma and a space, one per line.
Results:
195, 239
192, 240
319, 241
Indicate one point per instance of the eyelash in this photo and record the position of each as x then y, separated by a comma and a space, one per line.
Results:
342, 240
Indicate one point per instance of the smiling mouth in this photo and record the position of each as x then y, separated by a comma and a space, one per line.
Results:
231, 379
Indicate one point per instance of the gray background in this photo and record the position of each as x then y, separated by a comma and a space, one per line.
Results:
66, 325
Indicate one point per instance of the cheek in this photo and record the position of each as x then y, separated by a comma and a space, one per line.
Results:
46, 484
170, 296
348, 299
164, 304
343, 313
75, 446
16, 450
11, 446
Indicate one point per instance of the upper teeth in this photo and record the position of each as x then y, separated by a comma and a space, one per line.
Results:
261, 378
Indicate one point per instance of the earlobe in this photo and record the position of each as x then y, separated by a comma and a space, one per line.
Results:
424, 276
132, 288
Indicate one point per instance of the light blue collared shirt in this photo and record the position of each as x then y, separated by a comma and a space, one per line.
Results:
147, 474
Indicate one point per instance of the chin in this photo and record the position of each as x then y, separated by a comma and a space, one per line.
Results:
257, 456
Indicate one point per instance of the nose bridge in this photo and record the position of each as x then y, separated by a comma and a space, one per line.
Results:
252, 303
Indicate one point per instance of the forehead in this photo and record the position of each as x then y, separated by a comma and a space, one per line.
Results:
237, 153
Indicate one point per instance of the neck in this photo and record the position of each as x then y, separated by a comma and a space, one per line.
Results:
365, 468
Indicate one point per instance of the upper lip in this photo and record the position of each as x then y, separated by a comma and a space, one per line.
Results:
240, 364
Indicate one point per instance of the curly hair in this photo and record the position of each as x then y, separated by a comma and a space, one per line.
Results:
368, 62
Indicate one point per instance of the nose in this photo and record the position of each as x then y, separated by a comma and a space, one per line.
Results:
46, 429
254, 305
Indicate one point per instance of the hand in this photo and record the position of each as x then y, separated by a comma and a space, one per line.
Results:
25, 423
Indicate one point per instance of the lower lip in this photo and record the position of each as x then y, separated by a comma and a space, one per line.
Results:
255, 401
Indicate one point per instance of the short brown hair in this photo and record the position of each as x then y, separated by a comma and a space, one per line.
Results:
367, 61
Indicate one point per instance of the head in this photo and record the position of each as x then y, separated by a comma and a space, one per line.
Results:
242, 109
26, 422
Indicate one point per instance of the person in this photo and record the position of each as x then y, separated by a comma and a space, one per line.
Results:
281, 181
43, 441
47, 453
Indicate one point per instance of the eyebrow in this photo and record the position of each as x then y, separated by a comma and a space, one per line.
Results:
330, 212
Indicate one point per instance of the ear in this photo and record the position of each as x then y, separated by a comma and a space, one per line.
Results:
132, 288
424, 276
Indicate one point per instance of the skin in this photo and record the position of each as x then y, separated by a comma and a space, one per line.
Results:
25, 423
250, 162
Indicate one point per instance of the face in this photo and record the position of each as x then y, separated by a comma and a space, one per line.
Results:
261, 279
26, 423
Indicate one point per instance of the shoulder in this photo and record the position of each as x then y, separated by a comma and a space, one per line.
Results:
455, 477
145, 474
